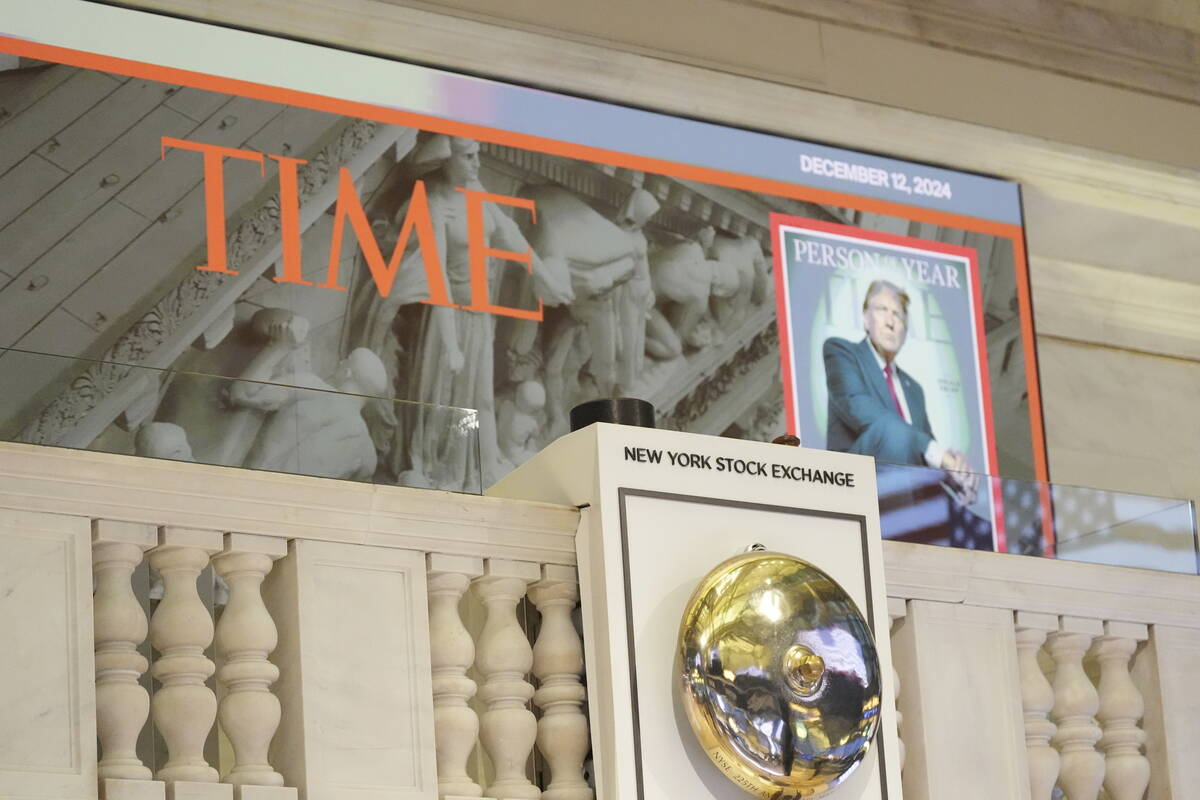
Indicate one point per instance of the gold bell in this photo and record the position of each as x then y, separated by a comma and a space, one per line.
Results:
779, 676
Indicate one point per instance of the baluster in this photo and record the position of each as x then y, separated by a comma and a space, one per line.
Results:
508, 728
1126, 770
562, 732
122, 704
452, 651
1037, 699
184, 708
897, 609
1075, 704
245, 636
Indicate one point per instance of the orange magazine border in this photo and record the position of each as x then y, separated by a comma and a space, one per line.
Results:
317, 102
778, 221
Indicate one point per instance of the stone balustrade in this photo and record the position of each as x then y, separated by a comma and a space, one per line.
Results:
504, 657
186, 706
181, 630
1039, 679
1083, 722
407, 644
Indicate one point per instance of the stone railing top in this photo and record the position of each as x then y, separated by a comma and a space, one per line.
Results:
115, 487
102, 485
1045, 585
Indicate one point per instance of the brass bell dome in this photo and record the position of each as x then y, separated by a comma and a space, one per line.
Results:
779, 676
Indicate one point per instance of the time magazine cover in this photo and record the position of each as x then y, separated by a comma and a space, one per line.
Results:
884, 355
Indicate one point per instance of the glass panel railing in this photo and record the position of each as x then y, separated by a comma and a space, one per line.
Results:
1007, 515
302, 424
298, 423
1124, 530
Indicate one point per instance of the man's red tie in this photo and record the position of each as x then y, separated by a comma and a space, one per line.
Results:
887, 373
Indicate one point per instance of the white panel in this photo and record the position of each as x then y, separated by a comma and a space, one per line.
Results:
1167, 671
963, 724
47, 672
672, 544
358, 710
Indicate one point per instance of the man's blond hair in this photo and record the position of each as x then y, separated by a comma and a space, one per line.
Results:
881, 285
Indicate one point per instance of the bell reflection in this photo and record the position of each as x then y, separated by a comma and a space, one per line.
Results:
780, 678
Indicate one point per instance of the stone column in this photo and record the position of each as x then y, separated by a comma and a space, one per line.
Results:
181, 629
1126, 770
122, 704
562, 735
452, 651
245, 637
1037, 699
1074, 711
504, 657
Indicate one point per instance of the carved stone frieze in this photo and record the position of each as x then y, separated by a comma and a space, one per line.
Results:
767, 420
684, 208
720, 382
138, 344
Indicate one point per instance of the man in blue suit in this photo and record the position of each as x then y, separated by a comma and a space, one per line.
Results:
876, 408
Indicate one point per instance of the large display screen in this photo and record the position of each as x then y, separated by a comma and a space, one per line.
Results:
203, 201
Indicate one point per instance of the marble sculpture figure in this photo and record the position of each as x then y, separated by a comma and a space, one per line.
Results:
162, 440
635, 298
683, 279
451, 363
600, 258
312, 427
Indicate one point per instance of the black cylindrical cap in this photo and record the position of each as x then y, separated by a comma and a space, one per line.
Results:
619, 410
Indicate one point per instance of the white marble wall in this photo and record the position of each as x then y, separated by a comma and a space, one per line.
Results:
940, 762
48, 693
357, 700
1121, 420
1049, 68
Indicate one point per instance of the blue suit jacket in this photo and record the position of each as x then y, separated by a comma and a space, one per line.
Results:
862, 416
